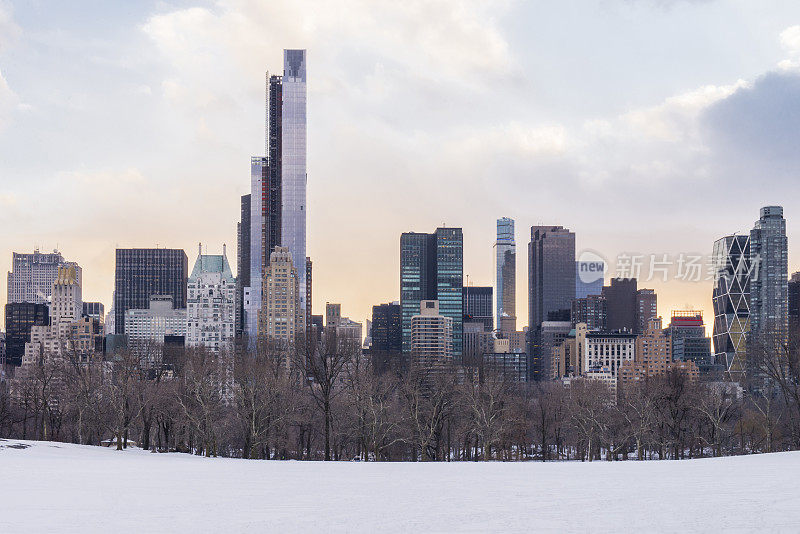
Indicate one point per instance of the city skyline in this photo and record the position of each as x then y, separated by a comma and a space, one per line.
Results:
526, 146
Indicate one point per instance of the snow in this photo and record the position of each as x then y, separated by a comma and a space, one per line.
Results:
49, 487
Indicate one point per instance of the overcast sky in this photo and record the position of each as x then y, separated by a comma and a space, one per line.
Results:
645, 126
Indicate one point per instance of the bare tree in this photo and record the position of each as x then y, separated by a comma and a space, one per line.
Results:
321, 364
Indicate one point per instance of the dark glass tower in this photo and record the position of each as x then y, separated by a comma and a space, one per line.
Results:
478, 306
432, 268
551, 272
769, 290
242, 261
143, 272
387, 332
20, 318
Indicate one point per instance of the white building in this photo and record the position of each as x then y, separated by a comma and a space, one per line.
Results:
431, 335
605, 352
211, 303
32, 276
160, 319
65, 311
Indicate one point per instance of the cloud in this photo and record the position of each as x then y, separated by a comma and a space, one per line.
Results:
759, 124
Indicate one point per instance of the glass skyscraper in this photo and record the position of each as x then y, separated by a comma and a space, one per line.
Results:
478, 306
731, 300
551, 273
278, 187
505, 276
769, 289
432, 268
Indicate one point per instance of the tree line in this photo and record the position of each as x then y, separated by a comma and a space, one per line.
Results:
322, 399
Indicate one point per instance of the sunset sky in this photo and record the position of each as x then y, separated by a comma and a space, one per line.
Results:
645, 126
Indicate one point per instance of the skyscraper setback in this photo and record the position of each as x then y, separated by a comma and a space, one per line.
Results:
769, 290
278, 189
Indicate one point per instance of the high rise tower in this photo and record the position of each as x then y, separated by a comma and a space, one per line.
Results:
505, 276
431, 268
731, 299
769, 290
278, 189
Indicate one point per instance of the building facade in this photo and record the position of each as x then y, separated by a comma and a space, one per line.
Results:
769, 290
431, 337
144, 272
551, 273
242, 261
32, 276
211, 303
646, 309
478, 305
21, 317
280, 318
621, 304
505, 276
590, 310
608, 351
431, 268
149, 326
731, 300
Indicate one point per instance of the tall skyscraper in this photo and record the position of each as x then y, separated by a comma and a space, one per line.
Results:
432, 268
794, 304
551, 273
551, 289
144, 272
32, 276
769, 290
731, 300
242, 262
478, 306
505, 276
278, 188
211, 300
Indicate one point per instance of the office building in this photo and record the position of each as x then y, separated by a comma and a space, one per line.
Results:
477, 342
621, 304
646, 309
769, 291
589, 278
211, 303
478, 305
731, 300
509, 366
551, 271
605, 352
431, 268
505, 276
32, 276
794, 306
552, 334
431, 337
21, 317
590, 310
685, 324
159, 319
387, 337
144, 272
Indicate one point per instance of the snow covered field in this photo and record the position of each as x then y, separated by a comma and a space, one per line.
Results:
56, 487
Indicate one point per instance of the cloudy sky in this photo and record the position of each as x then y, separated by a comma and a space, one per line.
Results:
645, 126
